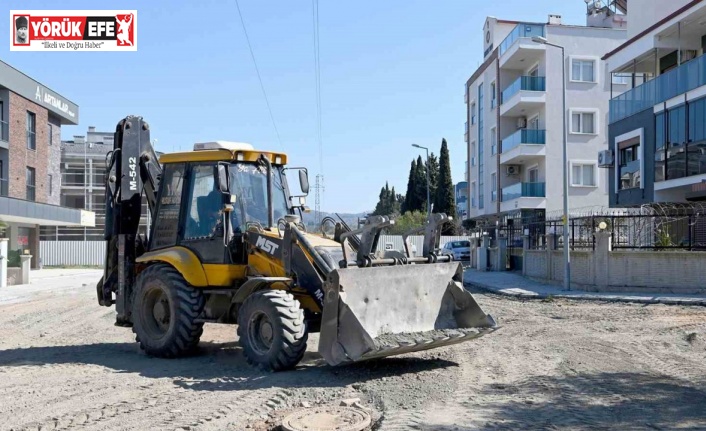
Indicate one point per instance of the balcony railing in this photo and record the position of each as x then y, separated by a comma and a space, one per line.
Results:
520, 31
523, 190
4, 187
677, 81
523, 83
524, 136
4, 131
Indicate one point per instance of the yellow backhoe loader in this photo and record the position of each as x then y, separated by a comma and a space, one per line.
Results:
227, 245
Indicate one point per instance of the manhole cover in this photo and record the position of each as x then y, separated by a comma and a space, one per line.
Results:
327, 419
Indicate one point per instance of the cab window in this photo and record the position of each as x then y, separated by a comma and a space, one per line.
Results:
205, 204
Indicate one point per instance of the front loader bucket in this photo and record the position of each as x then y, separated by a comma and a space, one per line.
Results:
390, 310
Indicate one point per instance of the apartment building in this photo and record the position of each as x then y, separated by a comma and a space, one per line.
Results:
83, 168
514, 128
657, 126
31, 117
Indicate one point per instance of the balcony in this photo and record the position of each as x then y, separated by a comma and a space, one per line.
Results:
523, 195
518, 50
4, 131
680, 80
525, 145
525, 93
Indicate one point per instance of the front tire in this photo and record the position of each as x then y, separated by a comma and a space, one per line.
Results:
272, 330
165, 310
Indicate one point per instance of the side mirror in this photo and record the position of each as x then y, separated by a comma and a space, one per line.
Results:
223, 178
304, 181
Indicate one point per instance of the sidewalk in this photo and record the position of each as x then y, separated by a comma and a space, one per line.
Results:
511, 284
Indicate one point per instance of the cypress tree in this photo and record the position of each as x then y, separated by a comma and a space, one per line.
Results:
420, 187
409, 204
445, 201
433, 175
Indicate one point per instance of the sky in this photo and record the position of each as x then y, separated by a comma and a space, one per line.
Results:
392, 75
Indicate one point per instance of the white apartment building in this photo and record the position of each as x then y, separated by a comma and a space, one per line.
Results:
514, 123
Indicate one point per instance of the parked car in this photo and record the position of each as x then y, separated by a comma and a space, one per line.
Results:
458, 250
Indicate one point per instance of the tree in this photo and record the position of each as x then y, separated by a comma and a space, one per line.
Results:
433, 174
444, 200
407, 222
409, 202
420, 190
389, 202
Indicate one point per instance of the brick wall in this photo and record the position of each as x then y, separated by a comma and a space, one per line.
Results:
20, 156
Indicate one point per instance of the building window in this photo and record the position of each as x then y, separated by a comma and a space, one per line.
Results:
493, 142
473, 113
676, 143
31, 184
583, 70
660, 147
621, 78
696, 146
473, 194
583, 175
492, 95
584, 122
494, 187
49, 182
31, 131
473, 153
51, 133
629, 164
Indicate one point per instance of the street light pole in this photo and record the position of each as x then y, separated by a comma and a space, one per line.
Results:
565, 218
427, 170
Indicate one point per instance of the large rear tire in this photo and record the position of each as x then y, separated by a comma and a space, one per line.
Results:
165, 309
272, 330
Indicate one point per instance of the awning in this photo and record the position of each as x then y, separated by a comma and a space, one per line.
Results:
21, 211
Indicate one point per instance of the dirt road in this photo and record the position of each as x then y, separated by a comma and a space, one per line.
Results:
553, 365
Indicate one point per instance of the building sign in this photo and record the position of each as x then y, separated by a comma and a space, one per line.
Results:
88, 218
47, 97
23, 85
73, 30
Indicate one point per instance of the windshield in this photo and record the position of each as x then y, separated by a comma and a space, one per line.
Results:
248, 182
460, 244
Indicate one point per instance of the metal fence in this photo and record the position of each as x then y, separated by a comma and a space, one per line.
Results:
655, 227
72, 253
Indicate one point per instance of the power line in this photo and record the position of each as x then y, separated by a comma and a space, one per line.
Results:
262, 86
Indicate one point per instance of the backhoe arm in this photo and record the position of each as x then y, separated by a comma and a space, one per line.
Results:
132, 169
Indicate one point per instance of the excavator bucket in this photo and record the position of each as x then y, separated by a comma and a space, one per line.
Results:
390, 310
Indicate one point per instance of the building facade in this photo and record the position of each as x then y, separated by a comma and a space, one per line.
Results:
656, 133
514, 128
31, 117
83, 169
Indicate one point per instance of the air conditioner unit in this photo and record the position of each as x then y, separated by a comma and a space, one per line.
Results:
512, 170
605, 159
522, 122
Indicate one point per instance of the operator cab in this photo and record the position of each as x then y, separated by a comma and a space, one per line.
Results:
221, 179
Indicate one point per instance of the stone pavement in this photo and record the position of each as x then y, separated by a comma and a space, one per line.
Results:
512, 284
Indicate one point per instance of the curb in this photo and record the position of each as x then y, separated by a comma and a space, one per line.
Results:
594, 298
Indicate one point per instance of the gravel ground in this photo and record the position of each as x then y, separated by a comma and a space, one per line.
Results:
554, 365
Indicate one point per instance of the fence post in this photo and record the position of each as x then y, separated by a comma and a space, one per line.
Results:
601, 260
551, 247
525, 247
501, 257
483, 252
